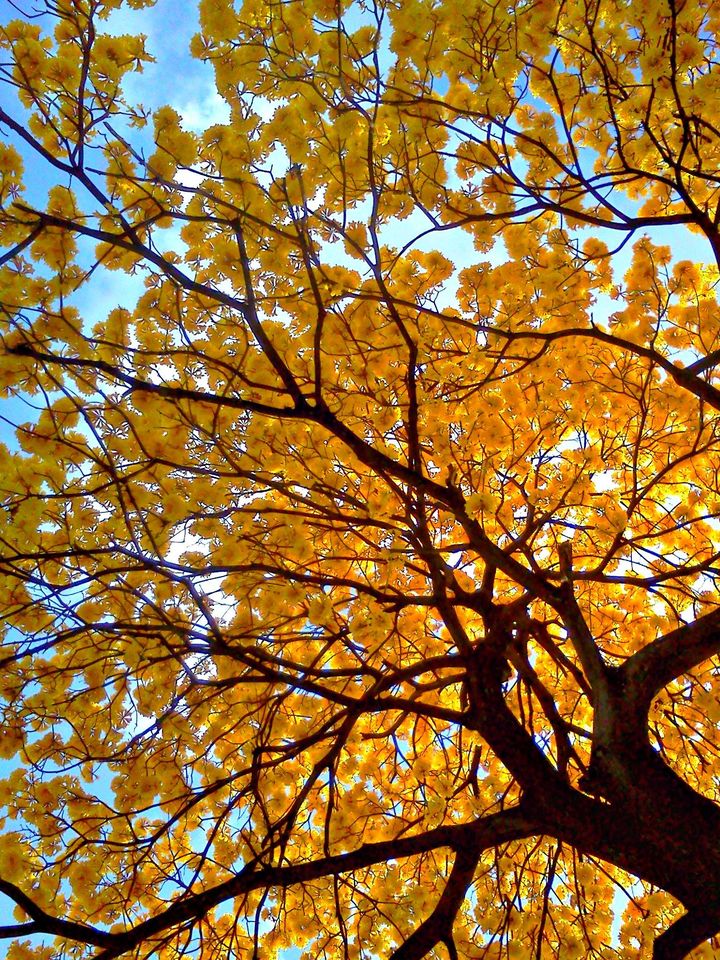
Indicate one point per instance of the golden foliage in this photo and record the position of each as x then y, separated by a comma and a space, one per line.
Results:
326, 552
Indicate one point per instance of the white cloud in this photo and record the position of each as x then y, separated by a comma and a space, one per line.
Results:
201, 112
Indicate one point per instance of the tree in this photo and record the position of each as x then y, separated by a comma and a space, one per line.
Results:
360, 568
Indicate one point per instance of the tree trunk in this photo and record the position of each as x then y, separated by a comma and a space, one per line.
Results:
651, 821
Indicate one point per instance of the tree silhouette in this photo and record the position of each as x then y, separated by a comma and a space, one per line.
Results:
360, 568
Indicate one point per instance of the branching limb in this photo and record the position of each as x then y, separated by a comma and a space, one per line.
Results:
692, 929
513, 824
438, 926
686, 377
43, 922
649, 670
160, 389
580, 636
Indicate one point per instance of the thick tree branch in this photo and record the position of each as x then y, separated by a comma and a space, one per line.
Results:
438, 926
486, 832
45, 923
646, 672
510, 741
687, 933
578, 630
160, 389
686, 377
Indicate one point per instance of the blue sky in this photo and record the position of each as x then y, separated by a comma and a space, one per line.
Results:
175, 78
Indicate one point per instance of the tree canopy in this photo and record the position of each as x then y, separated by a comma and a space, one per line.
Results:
360, 567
